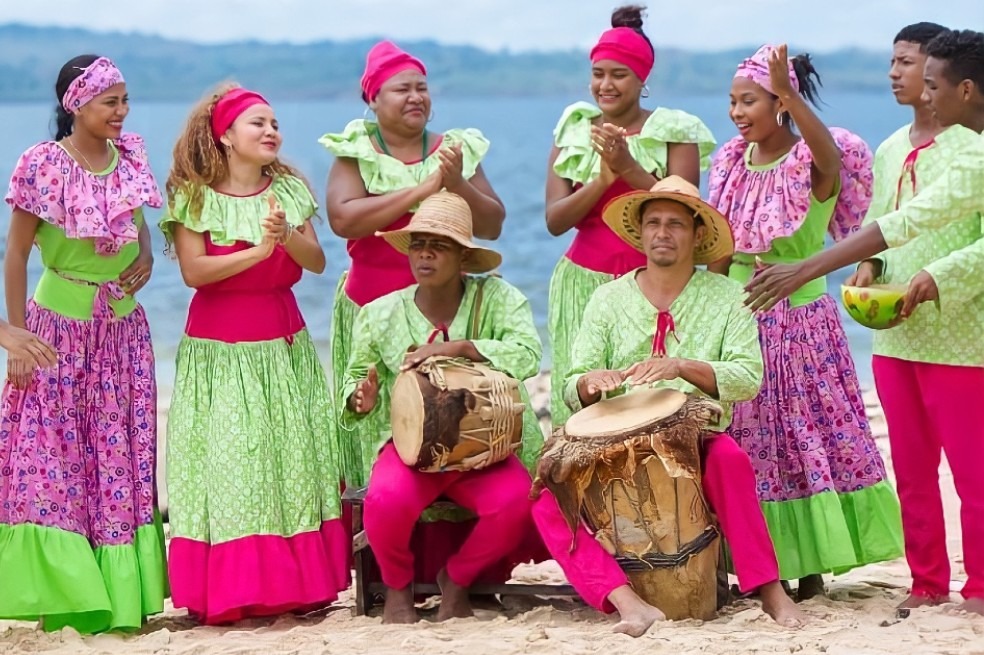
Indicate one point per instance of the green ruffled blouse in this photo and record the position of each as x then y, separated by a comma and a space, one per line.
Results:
229, 219
578, 162
383, 173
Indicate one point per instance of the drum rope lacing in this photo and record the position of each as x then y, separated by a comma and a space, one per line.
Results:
496, 391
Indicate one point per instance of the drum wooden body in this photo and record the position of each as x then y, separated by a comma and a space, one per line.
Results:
455, 415
639, 458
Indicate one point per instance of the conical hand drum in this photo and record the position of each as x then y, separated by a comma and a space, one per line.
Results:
630, 467
455, 415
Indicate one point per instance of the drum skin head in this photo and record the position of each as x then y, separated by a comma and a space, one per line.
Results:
624, 414
408, 421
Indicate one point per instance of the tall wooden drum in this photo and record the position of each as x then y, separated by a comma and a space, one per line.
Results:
630, 467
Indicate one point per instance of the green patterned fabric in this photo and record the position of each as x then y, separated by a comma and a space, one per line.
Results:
571, 287
383, 173
250, 441
387, 327
950, 249
712, 325
578, 162
356, 452
229, 219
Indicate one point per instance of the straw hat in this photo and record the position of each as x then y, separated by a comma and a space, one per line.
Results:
622, 215
448, 215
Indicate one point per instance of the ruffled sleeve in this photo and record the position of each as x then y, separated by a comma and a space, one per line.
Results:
382, 173
231, 219
766, 204
48, 183
857, 181
578, 162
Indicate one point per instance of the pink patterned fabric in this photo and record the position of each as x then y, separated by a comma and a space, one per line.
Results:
78, 446
806, 431
765, 205
48, 183
95, 79
756, 69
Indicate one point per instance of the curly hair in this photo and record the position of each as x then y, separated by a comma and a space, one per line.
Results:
199, 162
963, 52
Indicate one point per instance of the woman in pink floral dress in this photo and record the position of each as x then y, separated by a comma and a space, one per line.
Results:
821, 480
81, 543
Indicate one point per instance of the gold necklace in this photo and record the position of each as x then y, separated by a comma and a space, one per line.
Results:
84, 158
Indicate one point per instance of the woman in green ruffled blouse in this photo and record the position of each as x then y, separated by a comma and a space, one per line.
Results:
599, 153
383, 169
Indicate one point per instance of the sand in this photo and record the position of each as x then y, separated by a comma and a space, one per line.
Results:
856, 618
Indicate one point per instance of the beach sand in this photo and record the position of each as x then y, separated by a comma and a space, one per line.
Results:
857, 618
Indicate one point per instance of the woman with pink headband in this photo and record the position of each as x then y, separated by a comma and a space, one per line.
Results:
81, 543
601, 152
383, 169
821, 480
252, 471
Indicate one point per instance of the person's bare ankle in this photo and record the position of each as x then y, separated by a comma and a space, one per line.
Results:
455, 603
399, 607
636, 616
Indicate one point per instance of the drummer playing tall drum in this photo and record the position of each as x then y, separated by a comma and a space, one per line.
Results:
671, 325
472, 318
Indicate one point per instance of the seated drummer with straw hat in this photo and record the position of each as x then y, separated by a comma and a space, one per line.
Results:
451, 314
673, 325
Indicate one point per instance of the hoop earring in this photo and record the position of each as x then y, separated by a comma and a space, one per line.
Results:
431, 117
365, 114
645, 91
779, 119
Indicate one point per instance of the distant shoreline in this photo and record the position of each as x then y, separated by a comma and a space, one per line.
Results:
329, 70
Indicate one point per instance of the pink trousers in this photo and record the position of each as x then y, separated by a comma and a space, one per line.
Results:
729, 484
398, 494
930, 409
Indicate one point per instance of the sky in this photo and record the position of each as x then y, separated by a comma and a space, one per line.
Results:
517, 25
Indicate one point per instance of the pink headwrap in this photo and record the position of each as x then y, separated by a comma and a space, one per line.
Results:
95, 78
756, 68
627, 47
230, 106
384, 61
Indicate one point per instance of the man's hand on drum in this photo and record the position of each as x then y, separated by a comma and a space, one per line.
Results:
652, 370
442, 349
363, 399
591, 385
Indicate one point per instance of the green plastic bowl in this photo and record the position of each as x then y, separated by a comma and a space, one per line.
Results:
878, 307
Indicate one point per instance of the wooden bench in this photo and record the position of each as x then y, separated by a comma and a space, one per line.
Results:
369, 588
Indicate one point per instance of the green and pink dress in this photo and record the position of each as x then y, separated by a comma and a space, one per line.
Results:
377, 268
81, 543
252, 467
598, 255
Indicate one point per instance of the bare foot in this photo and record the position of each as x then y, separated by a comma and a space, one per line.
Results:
781, 607
810, 587
398, 607
919, 600
973, 605
636, 614
455, 603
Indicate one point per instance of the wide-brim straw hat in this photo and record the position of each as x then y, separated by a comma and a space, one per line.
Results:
622, 214
446, 214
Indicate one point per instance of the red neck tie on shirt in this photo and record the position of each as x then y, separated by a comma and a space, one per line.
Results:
441, 329
664, 326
